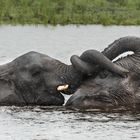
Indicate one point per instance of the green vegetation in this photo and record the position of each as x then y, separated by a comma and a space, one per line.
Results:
106, 12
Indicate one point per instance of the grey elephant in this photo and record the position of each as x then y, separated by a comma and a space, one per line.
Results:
36, 79
117, 83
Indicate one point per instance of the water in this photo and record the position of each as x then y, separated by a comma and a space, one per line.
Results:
57, 123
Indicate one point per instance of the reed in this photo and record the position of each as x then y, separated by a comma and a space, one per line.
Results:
106, 12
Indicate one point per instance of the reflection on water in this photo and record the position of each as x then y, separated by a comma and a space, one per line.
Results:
57, 123
36, 123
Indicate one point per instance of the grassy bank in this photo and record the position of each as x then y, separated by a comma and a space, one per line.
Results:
106, 12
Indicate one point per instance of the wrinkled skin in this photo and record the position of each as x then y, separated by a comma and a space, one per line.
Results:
110, 88
33, 78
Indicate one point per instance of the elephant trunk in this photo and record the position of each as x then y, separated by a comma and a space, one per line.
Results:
69, 78
82, 66
96, 58
129, 43
87, 62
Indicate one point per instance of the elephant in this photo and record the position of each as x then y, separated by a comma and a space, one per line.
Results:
36, 79
117, 84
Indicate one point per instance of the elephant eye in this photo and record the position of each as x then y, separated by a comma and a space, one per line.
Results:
35, 72
103, 74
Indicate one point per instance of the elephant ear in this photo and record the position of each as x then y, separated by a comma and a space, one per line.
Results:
8, 94
96, 59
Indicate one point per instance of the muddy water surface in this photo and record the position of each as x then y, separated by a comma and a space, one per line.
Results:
37, 123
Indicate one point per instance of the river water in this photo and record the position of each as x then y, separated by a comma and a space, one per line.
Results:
57, 123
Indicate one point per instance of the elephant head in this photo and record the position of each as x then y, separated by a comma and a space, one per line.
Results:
117, 84
36, 79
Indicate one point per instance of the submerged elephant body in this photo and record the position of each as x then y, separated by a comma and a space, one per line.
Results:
111, 88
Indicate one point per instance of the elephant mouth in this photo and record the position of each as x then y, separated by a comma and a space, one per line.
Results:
62, 87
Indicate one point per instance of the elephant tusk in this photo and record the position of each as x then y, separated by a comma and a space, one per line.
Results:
62, 87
